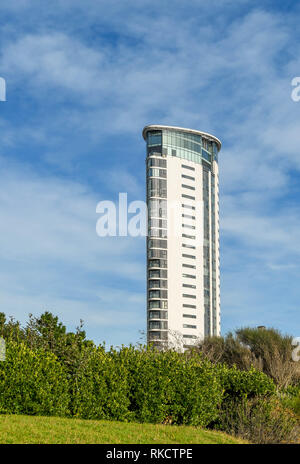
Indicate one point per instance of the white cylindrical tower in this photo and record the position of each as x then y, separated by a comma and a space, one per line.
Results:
183, 271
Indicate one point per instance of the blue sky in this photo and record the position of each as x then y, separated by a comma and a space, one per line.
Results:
83, 78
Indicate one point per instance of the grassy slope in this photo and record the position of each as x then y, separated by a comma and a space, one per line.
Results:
29, 429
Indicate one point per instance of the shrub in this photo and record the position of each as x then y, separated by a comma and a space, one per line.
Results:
49, 371
196, 392
265, 349
275, 352
170, 387
245, 384
259, 421
32, 382
100, 390
148, 383
228, 350
290, 398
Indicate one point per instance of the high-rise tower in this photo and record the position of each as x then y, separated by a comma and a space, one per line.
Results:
183, 276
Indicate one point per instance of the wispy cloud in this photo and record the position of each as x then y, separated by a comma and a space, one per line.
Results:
82, 82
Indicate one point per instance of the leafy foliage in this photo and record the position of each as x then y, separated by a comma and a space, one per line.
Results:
259, 421
49, 371
266, 350
100, 390
245, 384
32, 382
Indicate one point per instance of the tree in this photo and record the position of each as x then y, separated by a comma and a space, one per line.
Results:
265, 349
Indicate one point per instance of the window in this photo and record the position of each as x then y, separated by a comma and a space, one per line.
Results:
187, 216
155, 150
157, 187
188, 187
157, 263
189, 306
188, 226
188, 236
204, 163
189, 246
188, 196
187, 177
154, 294
158, 335
157, 223
191, 316
206, 155
158, 162
154, 304
156, 243
157, 283
188, 206
189, 276
158, 325
185, 295
158, 294
188, 326
190, 266
158, 273
154, 314
157, 314
187, 167
188, 256
189, 336
155, 172
157, 208
206, 281
189, 286
154, 253
154, 284
154, 138
162, 233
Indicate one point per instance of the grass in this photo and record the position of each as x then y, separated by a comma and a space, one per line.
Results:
16, 429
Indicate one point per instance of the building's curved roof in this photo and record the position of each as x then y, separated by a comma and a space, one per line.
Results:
210, 137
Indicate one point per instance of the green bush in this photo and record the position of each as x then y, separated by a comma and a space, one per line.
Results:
170, 387
147, 386
147, 382
144, 385
267, 350
261, 421
32, 382
100, 390
49, 371
245, 384
197, 392
290, 399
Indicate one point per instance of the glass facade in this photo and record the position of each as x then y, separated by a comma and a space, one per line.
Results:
188, 146
206, 250
213, 253
157, 244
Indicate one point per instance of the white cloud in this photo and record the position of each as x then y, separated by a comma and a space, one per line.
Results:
52, 258
214, 70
